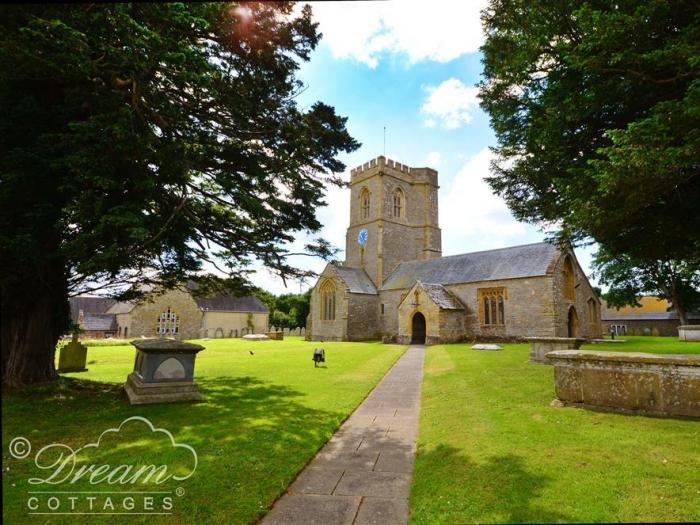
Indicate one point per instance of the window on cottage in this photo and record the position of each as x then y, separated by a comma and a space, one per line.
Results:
492, 309
168, 323
569, 280
398, 201
382, 308
364, 203
328, 301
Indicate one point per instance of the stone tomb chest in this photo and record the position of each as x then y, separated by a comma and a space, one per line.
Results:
541, 346
163, 372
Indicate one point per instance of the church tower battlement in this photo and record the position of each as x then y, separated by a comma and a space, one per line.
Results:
393, 217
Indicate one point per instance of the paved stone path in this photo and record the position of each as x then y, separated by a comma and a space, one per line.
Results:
363, 474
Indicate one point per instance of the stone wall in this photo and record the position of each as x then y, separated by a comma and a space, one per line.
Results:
143, 319
667, 385
528, 307
362, 317
232, 324
583, 292
325, 330
655, 327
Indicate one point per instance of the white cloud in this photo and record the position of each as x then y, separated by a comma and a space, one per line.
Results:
450, 104
433, 159
472, 209
440, 30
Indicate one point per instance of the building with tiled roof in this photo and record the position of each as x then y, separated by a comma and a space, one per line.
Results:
175, 313
654, 316
394, 283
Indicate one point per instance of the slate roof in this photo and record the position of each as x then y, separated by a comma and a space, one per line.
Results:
529, 260
356, 280
99, 322
89, 305
121, 308
228, 303
442, 297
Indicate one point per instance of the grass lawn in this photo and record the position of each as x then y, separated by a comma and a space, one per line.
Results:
264, 416
653, 345
492, 449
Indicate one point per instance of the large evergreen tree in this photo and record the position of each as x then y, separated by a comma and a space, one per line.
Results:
596, 107
143, 141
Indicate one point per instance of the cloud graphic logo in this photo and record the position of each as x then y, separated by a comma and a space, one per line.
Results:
61, 461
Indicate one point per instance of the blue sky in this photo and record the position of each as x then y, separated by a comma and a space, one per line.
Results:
411, 69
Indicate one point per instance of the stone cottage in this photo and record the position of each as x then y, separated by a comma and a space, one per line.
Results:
395, 284
176, 313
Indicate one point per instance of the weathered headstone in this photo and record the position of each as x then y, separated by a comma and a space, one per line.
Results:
73, 356
276, 335
163, 372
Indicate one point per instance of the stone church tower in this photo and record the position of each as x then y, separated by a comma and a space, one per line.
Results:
393, 217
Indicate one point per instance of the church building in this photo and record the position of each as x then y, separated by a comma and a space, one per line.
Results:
396, 286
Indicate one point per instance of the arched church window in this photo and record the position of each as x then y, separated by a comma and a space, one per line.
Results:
492, 306
328, 301
398, 203
364, 203
569, 280
168, 323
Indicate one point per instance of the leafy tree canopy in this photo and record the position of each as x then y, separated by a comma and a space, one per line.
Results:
596, 107
628, 278
144, 143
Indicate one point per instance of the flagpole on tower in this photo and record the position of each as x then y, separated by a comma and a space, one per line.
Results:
384, 142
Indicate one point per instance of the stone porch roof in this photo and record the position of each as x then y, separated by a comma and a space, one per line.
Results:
442, 297
529, 260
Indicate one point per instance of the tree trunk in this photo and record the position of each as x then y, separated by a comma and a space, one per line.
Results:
677, 304
35, 313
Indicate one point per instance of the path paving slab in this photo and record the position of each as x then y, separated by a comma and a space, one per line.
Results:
382, 511
363, 474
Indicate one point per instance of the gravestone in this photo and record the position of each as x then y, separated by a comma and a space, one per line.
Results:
73, 356
277, 335
163, 372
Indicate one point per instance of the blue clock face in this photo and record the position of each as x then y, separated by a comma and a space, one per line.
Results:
362, 236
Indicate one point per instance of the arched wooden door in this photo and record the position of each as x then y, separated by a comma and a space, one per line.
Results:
573, 322
418, 329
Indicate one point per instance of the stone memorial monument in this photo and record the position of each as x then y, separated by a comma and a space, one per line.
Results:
689, 332
163, 372
73, 356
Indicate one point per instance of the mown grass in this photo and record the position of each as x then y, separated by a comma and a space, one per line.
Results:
264, 416
491, 449
654, 345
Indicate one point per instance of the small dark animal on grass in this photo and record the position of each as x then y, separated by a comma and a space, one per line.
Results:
319, 356
251, 352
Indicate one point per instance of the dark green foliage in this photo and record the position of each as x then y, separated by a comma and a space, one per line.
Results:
286, 310
629, 278
146, 143
596, 107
